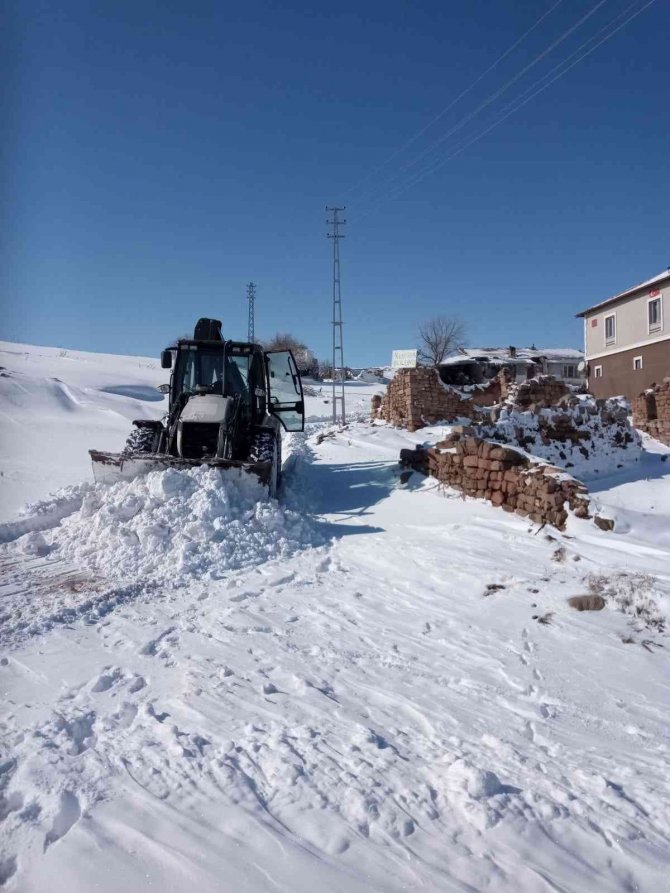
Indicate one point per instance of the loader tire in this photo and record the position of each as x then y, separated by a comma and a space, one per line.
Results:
140, 440
266, 446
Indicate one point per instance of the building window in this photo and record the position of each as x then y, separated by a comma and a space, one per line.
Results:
654, 314
637, 363
610, 329
597, 371
569, 372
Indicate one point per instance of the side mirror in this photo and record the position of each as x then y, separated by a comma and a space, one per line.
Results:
166, 359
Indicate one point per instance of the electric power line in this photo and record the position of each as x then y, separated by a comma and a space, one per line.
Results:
490, 99
516, 104
448, 107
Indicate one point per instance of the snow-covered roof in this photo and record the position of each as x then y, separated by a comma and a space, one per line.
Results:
523, 355
655, 280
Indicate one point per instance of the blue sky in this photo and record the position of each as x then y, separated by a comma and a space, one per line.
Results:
162, 154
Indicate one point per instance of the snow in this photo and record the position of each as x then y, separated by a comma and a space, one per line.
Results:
522, 355
57, 404
172, 526
606, 442
370, 685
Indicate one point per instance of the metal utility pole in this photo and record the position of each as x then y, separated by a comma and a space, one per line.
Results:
251, 298
338, 347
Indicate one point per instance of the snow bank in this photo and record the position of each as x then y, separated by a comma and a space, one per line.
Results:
369, 376
174, 525
45, 513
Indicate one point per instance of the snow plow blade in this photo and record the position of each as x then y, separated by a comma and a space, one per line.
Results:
110, 468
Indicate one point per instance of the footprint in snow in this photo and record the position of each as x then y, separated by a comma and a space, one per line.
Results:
152, 647
243, 596
7, 869
136, 684
69, 812
125, 716
107, 679
282, 581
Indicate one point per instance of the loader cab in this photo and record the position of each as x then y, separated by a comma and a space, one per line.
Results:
266, 382
207, 368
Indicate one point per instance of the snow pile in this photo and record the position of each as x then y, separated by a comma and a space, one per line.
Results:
589, 437
58, 504
43, 514
173, 525
372, 376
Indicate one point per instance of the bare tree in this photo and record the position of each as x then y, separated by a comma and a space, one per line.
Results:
325, 369
284, 341
305, 359
439, 337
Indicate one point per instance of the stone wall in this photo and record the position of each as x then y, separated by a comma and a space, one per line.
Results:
502, 475
545, 390
651, 411
417, 397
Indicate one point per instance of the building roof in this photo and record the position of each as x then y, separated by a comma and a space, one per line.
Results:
655, 280
502, 355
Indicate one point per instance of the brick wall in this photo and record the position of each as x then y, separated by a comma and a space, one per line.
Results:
502, 475
651, 411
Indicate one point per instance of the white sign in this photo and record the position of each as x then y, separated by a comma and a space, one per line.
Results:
404, 359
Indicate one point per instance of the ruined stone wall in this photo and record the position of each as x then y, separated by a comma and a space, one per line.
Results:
506, 382
417, 397
545, 390
651, 411
485, 394
582, 433
502, 475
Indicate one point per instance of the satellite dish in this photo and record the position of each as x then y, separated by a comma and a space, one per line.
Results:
581, 366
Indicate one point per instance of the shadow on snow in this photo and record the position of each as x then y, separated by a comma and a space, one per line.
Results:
652, 466
348, 490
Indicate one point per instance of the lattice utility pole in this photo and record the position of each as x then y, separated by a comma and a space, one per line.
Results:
338, 347
251, 298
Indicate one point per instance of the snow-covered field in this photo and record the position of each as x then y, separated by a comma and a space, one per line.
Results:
371, 685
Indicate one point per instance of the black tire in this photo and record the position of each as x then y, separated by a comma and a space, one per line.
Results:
140, 440
266, 446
